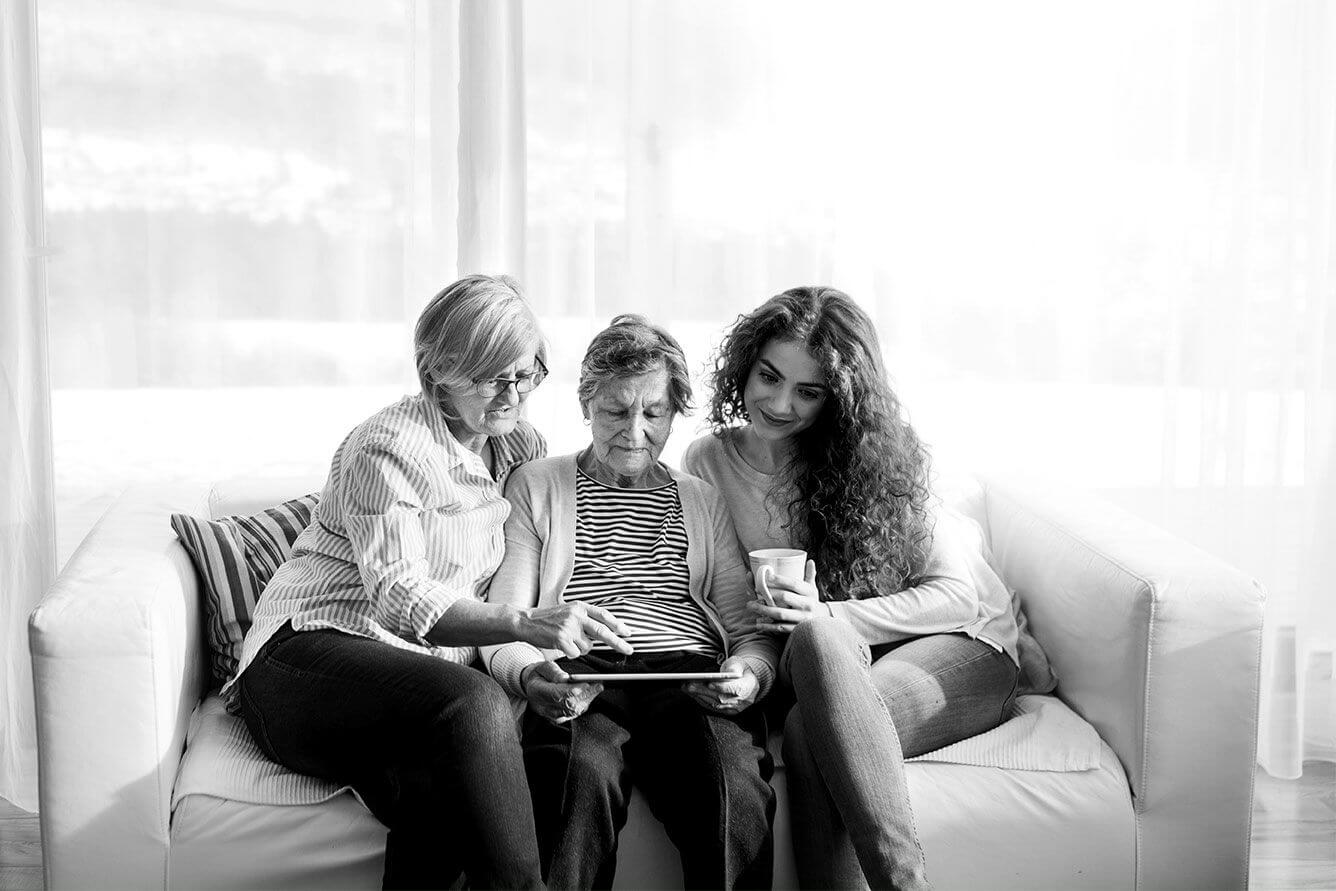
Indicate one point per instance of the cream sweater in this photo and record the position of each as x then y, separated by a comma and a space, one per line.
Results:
959, 592
540, 558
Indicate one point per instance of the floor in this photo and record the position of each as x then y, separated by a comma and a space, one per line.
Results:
1293, 840
1294, 830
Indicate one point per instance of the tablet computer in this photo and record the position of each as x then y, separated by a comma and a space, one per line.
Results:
589, 678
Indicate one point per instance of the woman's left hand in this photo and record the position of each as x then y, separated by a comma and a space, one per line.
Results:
795, 601
727, 697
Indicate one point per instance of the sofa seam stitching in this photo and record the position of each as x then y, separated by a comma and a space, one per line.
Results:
164, 824
1256, 727
1143, 770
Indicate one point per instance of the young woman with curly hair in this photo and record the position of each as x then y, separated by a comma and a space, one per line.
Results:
900, 639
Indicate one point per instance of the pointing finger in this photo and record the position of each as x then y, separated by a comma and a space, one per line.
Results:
596, 629
607, 618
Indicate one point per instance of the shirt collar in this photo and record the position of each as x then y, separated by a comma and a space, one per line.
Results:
503, 447
440, 431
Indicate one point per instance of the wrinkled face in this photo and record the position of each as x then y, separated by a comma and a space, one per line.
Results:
630, 420
494, 415
785, 390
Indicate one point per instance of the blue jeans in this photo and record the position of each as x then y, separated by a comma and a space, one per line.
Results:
859, 712
706, 777
429, 745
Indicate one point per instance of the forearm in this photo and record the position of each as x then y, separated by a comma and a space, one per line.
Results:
934, 607
945, 599
470, 622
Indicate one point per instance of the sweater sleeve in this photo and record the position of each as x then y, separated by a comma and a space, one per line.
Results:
729, 593
516, 582
944, 600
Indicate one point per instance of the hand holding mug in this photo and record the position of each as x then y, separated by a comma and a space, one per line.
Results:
786, 584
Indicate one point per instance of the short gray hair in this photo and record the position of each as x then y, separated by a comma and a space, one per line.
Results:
471, 330
632, 345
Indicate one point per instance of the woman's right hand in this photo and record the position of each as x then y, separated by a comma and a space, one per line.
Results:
552, 696
573, 628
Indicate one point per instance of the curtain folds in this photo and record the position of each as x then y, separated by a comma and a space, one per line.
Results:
1297, 719
467, 173
27, 506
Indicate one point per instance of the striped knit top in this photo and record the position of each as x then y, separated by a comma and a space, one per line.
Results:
409, 522
631, 559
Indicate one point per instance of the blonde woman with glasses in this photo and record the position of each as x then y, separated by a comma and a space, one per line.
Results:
359, 667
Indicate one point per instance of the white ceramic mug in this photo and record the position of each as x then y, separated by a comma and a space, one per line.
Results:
788, 563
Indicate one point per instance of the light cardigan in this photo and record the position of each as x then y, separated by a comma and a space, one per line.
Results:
540, 558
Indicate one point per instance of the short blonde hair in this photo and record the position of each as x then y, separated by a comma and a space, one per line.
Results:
471, 330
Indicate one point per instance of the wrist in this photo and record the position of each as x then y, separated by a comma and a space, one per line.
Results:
513, 622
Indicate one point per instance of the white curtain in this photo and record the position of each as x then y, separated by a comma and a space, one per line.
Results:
1097, 238
250, 203
27, 506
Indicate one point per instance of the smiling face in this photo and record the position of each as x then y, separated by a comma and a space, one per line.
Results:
630, 419
785, 391
480, 416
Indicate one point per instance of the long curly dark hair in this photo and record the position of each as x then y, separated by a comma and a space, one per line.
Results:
859, 474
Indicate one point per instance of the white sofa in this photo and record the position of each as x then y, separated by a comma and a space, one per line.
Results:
1155, 644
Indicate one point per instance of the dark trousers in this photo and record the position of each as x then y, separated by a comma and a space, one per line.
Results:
430, 746
706, 777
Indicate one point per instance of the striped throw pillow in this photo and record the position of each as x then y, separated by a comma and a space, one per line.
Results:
235, 557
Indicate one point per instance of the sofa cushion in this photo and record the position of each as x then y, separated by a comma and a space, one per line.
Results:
230, 845
223, 761
235, 557
982, 826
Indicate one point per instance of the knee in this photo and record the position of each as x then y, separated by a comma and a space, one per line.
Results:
481, 713
821, 638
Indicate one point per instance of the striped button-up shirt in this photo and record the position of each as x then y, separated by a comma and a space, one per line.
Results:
409, 522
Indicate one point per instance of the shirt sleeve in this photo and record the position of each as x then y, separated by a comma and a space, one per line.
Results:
730, 593
946, 598
383, 494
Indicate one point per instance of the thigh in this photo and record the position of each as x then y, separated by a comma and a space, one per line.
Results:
679, 749
327, 703
943, 688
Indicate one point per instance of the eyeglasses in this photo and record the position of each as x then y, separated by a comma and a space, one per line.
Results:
489, 388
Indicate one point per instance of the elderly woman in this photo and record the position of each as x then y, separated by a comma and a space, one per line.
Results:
612, 527
357, 667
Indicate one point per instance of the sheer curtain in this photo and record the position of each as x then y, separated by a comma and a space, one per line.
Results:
27, 508
250, 203
1097, 238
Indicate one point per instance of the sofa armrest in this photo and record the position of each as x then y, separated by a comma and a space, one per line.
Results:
117, 672
1157, 644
